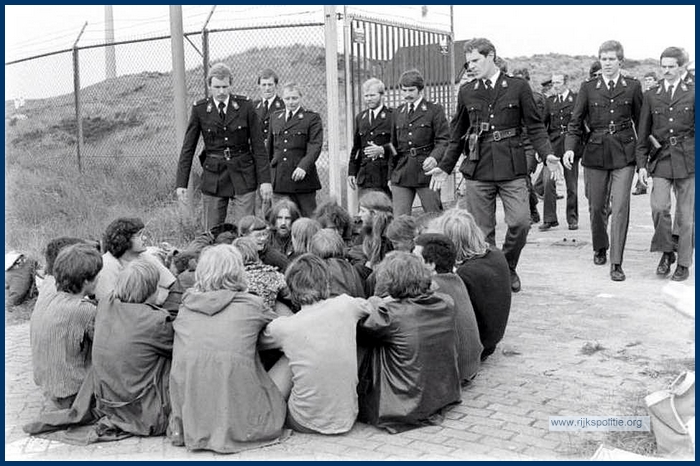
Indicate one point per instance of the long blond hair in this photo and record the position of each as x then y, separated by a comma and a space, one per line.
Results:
220, 267
459, 225
382, 215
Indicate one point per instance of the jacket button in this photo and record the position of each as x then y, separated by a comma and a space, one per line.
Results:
225, 139
284, 150
410, 124
612, 100
612, 111
670, 119
286, 132
670, 130
670, 108
410, 143
410, 134
284, 159
285, 140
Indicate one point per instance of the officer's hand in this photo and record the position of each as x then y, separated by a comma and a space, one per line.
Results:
266, 192
373, 151
181, 194
298, 174
556, 172
643, 176
568, 159
438, 178
351, 182
429, 164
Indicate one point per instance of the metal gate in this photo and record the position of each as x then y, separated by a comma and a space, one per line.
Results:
384, 50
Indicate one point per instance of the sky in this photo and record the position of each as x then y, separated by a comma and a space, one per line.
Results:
516, 30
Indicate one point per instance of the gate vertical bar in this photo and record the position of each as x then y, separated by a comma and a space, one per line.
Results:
78, 107
333, 107
349, 102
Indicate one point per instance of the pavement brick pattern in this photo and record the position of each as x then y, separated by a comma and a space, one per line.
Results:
576, 344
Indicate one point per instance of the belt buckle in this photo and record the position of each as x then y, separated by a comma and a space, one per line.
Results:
673, 140
612, 128
497, 136
412, 151
484, 126
227, 153
563, 128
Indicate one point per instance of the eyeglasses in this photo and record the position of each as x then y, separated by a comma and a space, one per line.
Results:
260, 234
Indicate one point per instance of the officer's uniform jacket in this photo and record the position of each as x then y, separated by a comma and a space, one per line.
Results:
424, 134
295, 143
558, 121
371, 173
234, 159
510, 108
276, 105
610, 116
672, 123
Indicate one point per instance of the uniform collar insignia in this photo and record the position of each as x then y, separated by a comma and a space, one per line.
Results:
476, 84
281, 116
365, 114
504, 84
658, 89
598, 84
423, 107
209, 107
570, 99
683, 86
624, 83
277, 104
301, 115
382, 115
259, 104
234, 104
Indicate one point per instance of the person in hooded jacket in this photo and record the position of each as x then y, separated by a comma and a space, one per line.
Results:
222, 398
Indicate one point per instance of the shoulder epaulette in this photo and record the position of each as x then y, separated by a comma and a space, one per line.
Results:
239, 97
200, 102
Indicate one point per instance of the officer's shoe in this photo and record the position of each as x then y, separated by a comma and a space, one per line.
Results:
664, 266
616, 273
639, 190
534, 217
600, 258
514, 281
548, 226
680, 274
573, 226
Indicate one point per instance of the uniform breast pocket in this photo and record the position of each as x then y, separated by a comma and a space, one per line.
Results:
425, 129
299, 135
598, 108
686, 114
511, 110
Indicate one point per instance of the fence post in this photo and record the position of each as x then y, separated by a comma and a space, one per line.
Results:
78, 109
180, 91
349, 114
205, 58
334, 170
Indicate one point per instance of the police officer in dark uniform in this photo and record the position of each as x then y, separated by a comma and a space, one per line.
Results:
610, 104
294, 145
234, 162
491, 112
419, 137
666, 148
368, 167
268, 103
560, 105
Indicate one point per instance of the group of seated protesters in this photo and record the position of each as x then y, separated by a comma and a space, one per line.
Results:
252, 329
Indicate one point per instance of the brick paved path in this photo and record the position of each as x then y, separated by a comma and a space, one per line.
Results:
538, 370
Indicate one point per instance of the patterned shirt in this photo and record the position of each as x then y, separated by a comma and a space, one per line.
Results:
265, 281
61, 331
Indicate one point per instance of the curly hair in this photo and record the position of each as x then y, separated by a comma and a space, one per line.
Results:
220, 267
330, 215
117, 237
75, 265
402, 275
438, 249
283, 203
308, 280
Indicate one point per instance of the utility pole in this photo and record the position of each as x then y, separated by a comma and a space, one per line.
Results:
110, 53
332, 97
180, 90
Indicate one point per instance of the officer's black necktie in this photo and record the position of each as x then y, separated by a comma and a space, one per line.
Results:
669, 91
611, 85
410, 109
222, 115
369, 116
267, 106
487, 83
289, 115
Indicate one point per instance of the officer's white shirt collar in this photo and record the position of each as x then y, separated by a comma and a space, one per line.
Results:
377, 111
416, 103
674, 84
270, 101
684, 74
294, 112
493, 78
228, 97
614, 79
564, 94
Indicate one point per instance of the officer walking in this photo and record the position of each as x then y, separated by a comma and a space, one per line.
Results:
666, 151
610, 103
368, 167
560, 106
234, 162
294, 145
491, 112
419, 138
